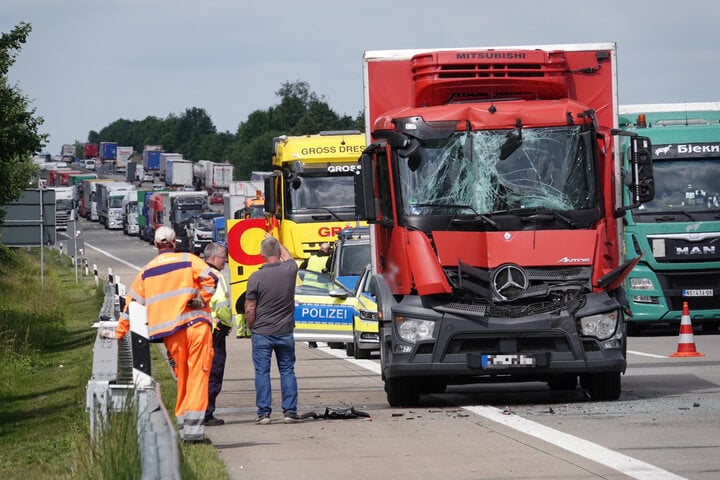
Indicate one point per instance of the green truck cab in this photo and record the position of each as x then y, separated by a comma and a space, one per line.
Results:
677, 234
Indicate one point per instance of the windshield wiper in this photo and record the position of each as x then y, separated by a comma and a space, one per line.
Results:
669, 217
540, 214
478, 217
302, 210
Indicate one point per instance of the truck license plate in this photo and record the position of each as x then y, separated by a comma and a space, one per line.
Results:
504, 361
707, 292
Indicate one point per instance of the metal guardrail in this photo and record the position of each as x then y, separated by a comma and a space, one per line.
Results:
114, 383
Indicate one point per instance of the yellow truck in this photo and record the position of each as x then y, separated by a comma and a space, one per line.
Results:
309, 199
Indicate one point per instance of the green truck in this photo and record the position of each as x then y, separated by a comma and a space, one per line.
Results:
677, 234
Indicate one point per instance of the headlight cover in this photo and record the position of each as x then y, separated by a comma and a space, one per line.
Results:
641, 284
601, 326
414, 330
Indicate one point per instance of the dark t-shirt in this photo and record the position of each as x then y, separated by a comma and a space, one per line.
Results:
273, 287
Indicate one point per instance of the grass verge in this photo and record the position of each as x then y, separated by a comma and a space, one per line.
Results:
46, 344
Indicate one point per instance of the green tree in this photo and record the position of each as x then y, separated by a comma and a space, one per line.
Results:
299, 112
19, 137
191, 131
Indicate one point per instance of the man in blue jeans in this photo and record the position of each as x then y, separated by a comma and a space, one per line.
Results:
269, 312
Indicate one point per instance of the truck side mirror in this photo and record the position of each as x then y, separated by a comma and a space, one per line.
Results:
643, 183
270, 191
365, 208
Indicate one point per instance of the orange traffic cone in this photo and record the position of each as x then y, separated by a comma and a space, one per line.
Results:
686, 341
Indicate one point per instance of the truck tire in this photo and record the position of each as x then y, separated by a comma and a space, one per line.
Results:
433, 385
562, 382
602, 386
402, 392
350, 349
710, 326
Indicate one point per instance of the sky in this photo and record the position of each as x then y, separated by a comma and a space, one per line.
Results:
88, 63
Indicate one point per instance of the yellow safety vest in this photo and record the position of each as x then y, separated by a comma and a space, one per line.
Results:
317, 263
220, 303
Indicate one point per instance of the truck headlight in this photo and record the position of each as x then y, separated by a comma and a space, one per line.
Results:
641, 284
601, 326
414, 330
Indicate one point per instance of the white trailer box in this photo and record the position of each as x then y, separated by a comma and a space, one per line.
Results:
178, 173
123, 154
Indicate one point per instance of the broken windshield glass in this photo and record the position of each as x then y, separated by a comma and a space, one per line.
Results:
552, 168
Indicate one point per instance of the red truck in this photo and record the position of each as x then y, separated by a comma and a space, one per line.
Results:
158, 214
491, 182
91, 150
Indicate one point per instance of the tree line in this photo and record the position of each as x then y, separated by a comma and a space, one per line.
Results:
192, 133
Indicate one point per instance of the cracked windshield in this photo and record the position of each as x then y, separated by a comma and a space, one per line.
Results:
685, 185
463, 174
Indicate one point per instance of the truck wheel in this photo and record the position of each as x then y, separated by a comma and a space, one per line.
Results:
602, 386
563, 382
710, 326
350, 349
402, 392
635, 328
433, 385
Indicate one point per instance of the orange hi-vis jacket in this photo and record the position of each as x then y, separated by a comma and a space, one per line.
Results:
167, 286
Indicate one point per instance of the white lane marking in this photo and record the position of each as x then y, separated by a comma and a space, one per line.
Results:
108, 254
617, 461
622, 463
371, 365
643, 354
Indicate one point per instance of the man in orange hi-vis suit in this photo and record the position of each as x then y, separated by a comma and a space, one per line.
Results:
176, 289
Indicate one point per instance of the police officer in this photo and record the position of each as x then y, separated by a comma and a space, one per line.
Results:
318, 261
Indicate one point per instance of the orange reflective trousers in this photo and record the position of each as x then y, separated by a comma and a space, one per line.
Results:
191, 349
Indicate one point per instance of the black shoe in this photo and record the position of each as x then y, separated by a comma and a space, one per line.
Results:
214, 422
291, 417
263, 419
312, 344
202, 441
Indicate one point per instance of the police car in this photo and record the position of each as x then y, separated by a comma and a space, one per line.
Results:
327, 311
351, 255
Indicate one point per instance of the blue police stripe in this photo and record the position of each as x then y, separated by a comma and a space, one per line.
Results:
323, 314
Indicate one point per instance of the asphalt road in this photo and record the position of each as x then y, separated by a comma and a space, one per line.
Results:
664, 426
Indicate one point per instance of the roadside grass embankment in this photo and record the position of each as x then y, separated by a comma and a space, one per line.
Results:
46, 351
